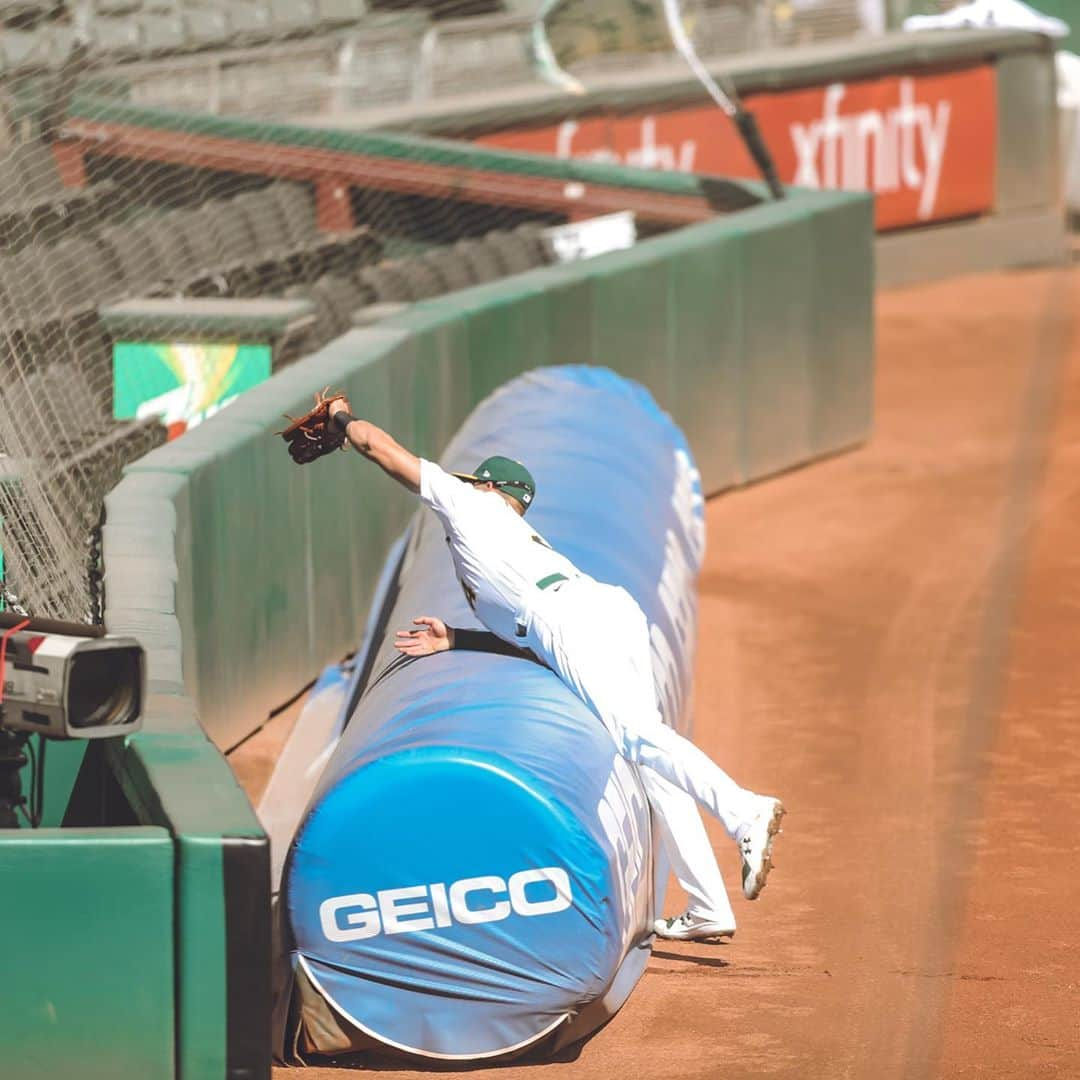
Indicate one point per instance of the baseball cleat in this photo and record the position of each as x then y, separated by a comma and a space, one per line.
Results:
687, 927
756, 846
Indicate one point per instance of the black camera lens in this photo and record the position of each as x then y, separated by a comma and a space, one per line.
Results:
103, 688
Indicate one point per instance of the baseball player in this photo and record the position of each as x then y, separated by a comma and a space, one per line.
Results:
533, 599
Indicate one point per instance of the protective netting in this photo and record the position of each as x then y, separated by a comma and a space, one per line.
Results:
399, 56
127, 217
150, 273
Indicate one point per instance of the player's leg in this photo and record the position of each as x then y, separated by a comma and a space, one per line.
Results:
751, 820
617, 685
693, 863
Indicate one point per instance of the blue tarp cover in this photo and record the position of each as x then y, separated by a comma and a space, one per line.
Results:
476, 864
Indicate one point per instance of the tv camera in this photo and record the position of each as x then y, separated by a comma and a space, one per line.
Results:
60, 680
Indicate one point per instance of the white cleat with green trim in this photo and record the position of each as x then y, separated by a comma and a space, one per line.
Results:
756, 845
687, 927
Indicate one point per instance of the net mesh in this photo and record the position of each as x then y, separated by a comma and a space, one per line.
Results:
125, 219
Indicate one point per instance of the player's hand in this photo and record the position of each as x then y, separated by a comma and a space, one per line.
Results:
338, 405
433, 637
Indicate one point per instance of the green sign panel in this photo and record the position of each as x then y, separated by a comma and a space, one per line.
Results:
184, 382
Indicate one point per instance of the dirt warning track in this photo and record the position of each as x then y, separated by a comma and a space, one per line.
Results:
891, 642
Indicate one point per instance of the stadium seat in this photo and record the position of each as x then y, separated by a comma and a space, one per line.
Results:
23, 13
326, 318
206, 26
139, 266
538, 251
166, 257
36, 166
65, 390
422, 279
333, 318
108, 264
74, 273
35, 207
232, 263
23, 52
208, 264
263, 218
283, 260
33, 163
27, 287
292, 18
249, 22
335, 13
386, 283
511, 250
73, 277
234, 234
163, 32
116, 37
270, 212
116, 8
451, 270
185, 259
36, 320
481, 260
320, 252
344, 298
297, 210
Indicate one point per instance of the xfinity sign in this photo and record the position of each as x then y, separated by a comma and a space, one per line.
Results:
469, 901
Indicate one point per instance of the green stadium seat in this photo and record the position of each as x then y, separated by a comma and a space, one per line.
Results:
297, 210
452, 271
332, 13
116, 8
249, 21
533, 235
387, 284
292, 18
511, 251
344, 297
35, 167
117, 38
140, 268
424, 282
163, 33
207, 27
481, 260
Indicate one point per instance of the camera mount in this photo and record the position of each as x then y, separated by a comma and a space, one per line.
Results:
13, 756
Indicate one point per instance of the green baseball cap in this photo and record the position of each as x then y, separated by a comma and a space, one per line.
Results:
507, 475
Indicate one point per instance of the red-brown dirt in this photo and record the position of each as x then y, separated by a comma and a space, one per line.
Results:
890, 641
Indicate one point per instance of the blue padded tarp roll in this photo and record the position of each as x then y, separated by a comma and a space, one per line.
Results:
476, 865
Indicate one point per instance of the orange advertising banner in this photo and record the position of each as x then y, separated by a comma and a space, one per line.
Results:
924, 144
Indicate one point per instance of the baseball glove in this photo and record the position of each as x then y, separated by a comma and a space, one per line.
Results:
312, 435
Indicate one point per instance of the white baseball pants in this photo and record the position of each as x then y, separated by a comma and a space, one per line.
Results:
570, 628
686, 844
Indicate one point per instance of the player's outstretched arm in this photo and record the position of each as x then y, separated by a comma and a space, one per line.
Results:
378, 446
435, 636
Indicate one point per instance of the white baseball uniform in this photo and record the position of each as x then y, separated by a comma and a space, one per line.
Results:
529, 595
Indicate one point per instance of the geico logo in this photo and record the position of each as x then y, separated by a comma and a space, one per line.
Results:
423, 907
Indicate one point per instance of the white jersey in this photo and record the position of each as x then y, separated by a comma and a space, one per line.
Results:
503, 564
531, 596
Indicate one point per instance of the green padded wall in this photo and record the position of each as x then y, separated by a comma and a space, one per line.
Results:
87, 986
219, 932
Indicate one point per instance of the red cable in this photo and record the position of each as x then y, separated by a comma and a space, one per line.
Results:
3, 650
